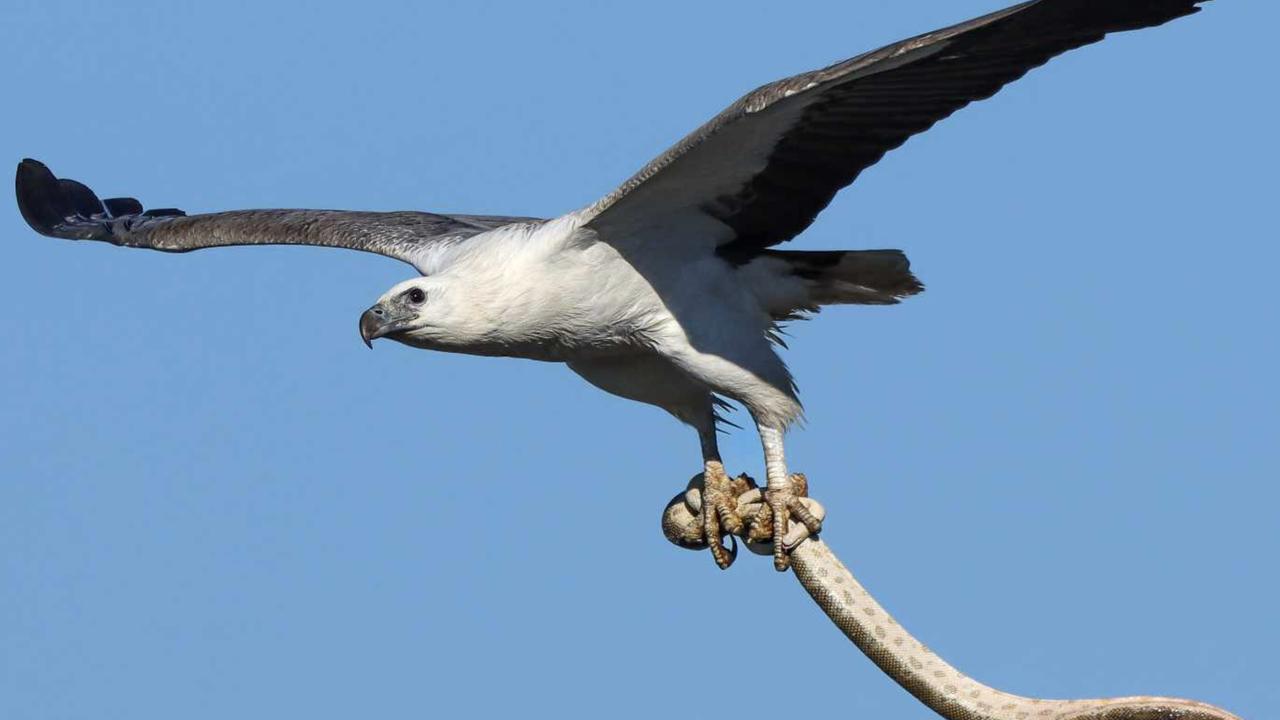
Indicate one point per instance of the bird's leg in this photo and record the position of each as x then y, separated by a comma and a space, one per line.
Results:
781, 497
719, 501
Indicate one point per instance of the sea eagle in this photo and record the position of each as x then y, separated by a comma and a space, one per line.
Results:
669, 290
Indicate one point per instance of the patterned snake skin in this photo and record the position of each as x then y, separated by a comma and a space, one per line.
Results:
937, 684
928, 677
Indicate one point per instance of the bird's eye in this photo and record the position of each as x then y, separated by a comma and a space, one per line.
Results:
416, 296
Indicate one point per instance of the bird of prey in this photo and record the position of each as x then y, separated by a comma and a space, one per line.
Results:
670, 289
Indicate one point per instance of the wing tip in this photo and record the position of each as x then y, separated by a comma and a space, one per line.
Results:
40, 198
68, 209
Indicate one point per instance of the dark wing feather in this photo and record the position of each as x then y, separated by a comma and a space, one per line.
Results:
68, 209
766, 166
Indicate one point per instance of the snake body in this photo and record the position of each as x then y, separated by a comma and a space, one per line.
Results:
938, 684
932, 680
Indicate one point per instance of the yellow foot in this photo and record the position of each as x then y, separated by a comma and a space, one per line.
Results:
772, 522
707, 512
715, 505
720, 512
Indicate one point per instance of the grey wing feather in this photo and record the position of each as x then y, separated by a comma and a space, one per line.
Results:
766, 166
68, 209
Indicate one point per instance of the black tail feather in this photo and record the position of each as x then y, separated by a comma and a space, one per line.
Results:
861, 277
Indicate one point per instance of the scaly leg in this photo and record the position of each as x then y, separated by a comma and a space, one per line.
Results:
781, 496
719, 501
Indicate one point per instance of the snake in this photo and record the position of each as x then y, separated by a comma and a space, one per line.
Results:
932, 680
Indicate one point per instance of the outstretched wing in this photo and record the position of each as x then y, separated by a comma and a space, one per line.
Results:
68, 209
758, 173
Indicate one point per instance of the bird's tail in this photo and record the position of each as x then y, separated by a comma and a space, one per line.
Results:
792, 282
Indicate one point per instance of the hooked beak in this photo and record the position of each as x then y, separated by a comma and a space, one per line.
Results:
378, 322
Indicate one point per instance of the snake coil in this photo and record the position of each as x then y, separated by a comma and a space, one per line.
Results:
932, 680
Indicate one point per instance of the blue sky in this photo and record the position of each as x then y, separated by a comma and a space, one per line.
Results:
1057, 466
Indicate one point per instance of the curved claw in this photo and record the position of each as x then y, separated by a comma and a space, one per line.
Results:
810, 513
714, 537
725, 557
700, 518
770, 530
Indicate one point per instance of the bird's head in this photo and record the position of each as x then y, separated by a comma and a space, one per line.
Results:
406, 313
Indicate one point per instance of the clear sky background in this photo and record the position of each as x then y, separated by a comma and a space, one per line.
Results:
1057, 466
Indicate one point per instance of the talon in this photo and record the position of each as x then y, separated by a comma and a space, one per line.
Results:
760, 529
711, 531
715, 506
720, 514
773, 521
729, 519
803, 515
723, 556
